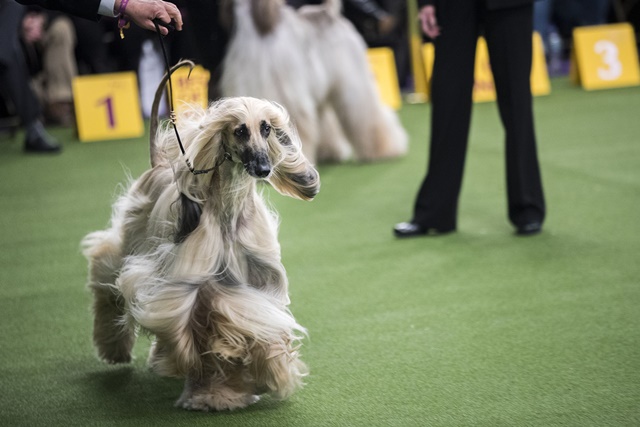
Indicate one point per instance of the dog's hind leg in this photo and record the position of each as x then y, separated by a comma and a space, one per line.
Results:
112, 338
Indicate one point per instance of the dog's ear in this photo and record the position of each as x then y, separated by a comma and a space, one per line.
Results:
203, 134
282, 125
293, 175
189, 219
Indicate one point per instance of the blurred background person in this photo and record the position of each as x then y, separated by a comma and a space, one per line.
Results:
15, 82
49, 40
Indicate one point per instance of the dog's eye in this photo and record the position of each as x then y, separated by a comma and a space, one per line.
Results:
241, 131
265, 129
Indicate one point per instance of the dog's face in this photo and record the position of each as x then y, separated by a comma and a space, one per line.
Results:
251, 145
260, 141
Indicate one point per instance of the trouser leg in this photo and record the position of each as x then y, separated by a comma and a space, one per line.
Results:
451, 89
59, 61
508, 33
14, 76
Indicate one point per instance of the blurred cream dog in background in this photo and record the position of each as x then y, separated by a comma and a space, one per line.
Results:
312, 61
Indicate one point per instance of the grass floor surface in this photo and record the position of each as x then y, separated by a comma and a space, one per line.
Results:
480, 327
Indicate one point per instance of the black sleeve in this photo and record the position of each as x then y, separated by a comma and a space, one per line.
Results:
423, 3
83, 8
369, 8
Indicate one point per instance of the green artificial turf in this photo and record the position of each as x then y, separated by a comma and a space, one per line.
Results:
480, 327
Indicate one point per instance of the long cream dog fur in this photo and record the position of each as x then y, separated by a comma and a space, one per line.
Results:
313, 62
195, 261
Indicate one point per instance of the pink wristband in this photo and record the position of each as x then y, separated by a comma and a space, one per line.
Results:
122, 21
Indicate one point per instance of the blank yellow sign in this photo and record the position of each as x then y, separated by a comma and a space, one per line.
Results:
428, 56
383, 65
540, 84
190, 88
107, 106
484, 88
606, 56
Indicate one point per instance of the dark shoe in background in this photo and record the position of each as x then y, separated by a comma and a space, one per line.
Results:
37, 140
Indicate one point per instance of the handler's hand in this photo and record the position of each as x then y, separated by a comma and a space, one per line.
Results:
429, 22
143, 12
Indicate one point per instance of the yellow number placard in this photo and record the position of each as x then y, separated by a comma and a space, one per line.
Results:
428, 56
107, 106
190, 88
540, 84
606, 56
484, 88
383, 65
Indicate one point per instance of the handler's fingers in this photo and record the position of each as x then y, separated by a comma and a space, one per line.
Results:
175, 14
164, 17
434, 28
429, 22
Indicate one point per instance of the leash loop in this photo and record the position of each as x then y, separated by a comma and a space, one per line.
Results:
172, 114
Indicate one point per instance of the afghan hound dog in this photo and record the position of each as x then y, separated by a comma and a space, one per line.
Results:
192, 257
312, 61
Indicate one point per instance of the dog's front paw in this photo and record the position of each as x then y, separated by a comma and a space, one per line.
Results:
114, 355
117, 360
218, 400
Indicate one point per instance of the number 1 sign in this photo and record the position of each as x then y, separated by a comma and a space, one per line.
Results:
605, 56
107, 106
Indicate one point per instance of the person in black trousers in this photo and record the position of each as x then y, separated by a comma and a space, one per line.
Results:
455, 25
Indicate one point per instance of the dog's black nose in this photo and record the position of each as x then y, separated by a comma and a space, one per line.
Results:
263, 166
263, 169
256, 163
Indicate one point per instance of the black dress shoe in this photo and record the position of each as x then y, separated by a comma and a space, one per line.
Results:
411, 229
529, 228
37, 140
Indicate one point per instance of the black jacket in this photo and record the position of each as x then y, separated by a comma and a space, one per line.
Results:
82, 8
491, 4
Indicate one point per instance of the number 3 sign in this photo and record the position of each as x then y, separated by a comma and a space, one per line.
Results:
107, 106
605, 56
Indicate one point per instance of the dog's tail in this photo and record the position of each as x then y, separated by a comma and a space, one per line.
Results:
333, 6
154, 153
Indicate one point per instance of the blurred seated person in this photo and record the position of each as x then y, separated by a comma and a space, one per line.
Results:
14, 79
49, 40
